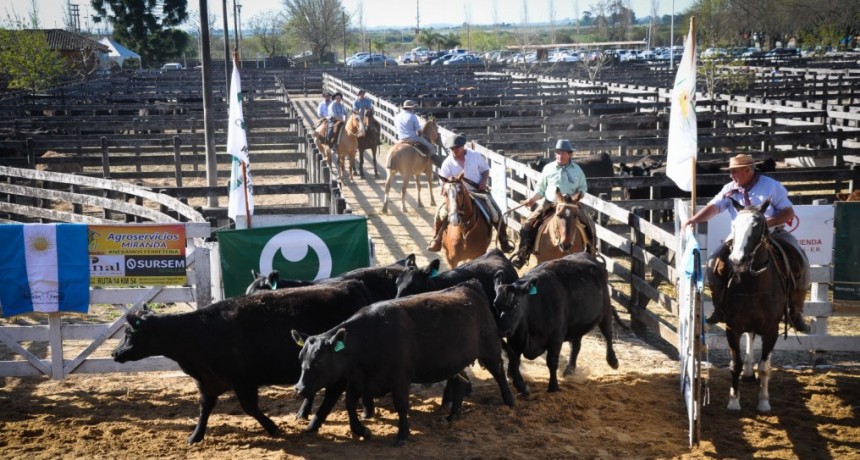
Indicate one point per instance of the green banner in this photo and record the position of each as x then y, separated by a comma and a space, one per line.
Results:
303, 251
846, 253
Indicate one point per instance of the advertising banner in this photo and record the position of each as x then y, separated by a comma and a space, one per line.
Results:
143, 254
846, 258
303, 251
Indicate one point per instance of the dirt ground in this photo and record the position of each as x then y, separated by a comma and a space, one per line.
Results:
634, 412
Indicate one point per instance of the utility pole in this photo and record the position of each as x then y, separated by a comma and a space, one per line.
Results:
226, 51
208, 127
417, 17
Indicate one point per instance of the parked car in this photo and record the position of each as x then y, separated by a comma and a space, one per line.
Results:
355, 56
441, 59
464, 59
376, 60
782, 53
172, 66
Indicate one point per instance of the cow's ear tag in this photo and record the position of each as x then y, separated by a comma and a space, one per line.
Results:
532, 289
338, 346
275, 286
434, 273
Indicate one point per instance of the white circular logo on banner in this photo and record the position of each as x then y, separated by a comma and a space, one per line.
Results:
294, 244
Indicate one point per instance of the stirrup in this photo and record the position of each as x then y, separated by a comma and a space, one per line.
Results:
716, 317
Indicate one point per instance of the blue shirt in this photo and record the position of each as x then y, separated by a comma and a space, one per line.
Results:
566, 179
322, 109
337, 110
763, 188
406, 124
362, 104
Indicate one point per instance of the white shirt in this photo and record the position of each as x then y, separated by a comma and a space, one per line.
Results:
406, 124
475, 166
322, 109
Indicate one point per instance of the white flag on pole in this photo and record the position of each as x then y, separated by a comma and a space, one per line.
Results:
241, 187
682, 119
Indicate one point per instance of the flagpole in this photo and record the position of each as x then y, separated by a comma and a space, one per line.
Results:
244, 166
695, 157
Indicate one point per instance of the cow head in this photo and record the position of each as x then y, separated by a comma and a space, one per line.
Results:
416, 280
509, 302
141, 338
323, 361
262, 282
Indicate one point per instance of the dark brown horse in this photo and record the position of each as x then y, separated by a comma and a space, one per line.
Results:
560, 234
754, 288
370, 141
468, 233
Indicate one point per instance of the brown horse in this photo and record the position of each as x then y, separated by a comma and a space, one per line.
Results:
407, 160
468, 233
345, 145
753, 287
370, 141
560, 234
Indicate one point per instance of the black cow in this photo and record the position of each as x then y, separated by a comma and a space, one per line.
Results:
483, 269
243, 343
379, 280
557, 301
599, 165
424, 338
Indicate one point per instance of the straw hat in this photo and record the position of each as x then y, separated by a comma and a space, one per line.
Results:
409, 104
741, 160
564, 144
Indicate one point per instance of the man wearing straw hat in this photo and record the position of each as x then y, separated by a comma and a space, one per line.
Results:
565, 176
749, 187
406, 125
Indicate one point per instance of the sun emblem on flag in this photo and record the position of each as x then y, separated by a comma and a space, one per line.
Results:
40, 244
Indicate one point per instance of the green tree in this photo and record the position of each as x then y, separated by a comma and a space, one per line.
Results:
430, 39
28, 60
319, 24
147, 26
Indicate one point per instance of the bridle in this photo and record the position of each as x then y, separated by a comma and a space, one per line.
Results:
457, 193
573, 209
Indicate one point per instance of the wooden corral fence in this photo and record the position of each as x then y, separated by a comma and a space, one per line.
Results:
149, 129
97, 201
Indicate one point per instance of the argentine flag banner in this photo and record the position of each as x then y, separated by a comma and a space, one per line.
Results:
44, 268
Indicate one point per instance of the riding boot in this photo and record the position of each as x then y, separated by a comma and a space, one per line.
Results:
796, 319
329, 137
438, 228
504, 244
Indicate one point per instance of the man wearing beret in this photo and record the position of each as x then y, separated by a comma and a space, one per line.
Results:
476, 173
565, 176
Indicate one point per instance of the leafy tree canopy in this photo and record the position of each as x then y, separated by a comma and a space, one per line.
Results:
28, 60
147, 26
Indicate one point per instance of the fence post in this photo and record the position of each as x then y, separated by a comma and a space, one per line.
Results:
637, 267
177, 160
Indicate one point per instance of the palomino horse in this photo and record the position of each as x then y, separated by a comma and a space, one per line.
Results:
345, 145
468, 233
755, 295
560, 234
405, 159
370, 141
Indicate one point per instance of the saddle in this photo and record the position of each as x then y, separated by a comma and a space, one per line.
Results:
422, 149
335, 133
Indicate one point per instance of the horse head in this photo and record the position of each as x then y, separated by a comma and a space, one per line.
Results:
565, 220
457, 199
749, 231
356, 125
430, 130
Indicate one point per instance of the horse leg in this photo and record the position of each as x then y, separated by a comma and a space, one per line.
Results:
375, 150
764, 371
418, 190
429, 176
406, 178
748, 374
734, 341
361, 163
387, 188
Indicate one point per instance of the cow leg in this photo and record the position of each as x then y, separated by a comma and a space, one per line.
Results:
387, 188
249, 400
514, 373
351, 403
496, 368
575, 347
332, 394
305, 409
207, 403
455, 390
400, 396
552, 353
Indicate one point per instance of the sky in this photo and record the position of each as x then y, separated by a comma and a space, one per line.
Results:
377, 13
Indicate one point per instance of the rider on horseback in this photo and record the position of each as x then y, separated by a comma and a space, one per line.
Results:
749, 187
362, 104
563, 175
337, 115
476, 173
407, 126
